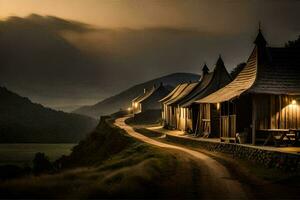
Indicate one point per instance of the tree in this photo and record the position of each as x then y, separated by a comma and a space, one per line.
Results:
293, 44
41, 163
237, 70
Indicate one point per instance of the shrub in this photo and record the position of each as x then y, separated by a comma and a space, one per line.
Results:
41, 163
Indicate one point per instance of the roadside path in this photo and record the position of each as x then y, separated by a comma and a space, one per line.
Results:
217, 179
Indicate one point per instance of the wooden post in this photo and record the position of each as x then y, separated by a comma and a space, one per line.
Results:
220, 122
253, 120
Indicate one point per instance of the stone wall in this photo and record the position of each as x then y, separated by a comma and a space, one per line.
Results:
268, 158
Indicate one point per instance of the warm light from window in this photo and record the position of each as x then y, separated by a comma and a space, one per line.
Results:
294, 102
135, 105
218, 106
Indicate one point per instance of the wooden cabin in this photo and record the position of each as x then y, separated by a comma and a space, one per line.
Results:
263, 101
169, 112
149, 99
180, 115
203, 118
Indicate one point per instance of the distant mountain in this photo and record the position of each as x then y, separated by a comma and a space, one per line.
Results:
37, 61
22, 121
123, 99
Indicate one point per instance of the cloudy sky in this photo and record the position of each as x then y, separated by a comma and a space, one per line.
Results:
121, 43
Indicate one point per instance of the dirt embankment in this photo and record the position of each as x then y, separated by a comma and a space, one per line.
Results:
110, 164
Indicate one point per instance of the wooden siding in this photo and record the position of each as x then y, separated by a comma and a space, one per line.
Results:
205, 126
228, 126
277, 112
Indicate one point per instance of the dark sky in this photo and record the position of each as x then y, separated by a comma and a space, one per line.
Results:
64, 63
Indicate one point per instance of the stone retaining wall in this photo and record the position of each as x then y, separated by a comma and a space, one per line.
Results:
268, 158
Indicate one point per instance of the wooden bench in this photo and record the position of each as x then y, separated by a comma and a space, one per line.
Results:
278, 136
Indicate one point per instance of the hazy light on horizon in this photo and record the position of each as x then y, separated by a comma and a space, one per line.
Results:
207, 15
159, 37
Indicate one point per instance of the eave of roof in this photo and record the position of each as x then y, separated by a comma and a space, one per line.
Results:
201, 85
176, 93
183, 93
219, 79
170, 94
244, 80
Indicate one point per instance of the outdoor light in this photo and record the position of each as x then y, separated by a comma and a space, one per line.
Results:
129, 109
294, 102
218, 106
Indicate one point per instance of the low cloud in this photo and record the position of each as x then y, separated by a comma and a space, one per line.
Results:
60, 62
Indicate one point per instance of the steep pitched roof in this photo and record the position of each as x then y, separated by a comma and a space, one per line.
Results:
144, 95
136, 98
281, 75
240, 84
182, 94
210, 83
170, 94
268, 71
176, 92
205, 69
155, 94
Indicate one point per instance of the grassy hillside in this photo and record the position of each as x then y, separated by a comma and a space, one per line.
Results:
22, 121
123, 99
110, 164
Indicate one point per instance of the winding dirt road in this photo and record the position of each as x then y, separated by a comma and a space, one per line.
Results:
217, 180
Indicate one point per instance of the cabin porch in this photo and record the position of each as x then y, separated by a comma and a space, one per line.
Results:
277, 119
261, 119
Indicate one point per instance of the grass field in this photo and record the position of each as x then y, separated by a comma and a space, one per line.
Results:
20, 154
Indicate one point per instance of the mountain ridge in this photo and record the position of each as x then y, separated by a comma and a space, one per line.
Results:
22, 121
122, 100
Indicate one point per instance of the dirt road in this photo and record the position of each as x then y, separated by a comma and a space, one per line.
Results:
216, 180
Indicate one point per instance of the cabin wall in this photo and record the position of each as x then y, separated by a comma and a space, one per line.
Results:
228, 119
172, 116
189, 121
193, 125
277, 112
215, 120
182, 118
168, 115
136, 107
243, 113
205, 126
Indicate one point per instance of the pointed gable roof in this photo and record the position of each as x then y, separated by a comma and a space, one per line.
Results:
260, 39
144, 95
268, 71
209, 83
155, 94
205, 69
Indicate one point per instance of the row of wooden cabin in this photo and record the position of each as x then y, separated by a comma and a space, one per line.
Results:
149, 99
180, 110
264, 95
